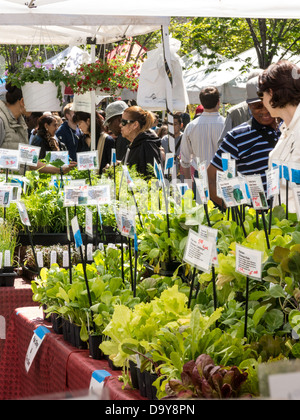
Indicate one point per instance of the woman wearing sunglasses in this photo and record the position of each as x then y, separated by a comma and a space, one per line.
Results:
144, 143
104, 142
279, 88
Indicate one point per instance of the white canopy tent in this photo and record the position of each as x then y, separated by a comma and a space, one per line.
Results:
227, 75
70, 22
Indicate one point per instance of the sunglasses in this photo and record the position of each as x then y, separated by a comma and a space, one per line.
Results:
125, 122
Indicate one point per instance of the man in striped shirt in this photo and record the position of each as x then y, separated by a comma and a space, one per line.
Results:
249, 144
200, 137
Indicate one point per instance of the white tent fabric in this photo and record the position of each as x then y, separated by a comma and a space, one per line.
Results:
73, 58
70, 22
227, 76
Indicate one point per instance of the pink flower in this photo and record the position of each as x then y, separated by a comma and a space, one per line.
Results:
27, 64
49, 66
37, 64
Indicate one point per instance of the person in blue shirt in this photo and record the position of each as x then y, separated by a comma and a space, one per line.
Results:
69, 133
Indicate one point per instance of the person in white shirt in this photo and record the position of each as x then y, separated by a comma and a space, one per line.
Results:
279, 89
200, 137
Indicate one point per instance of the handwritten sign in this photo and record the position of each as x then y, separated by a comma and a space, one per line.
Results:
233, 192
98, 194
198, 251
29, 155
9, 159
87, 161
63, 156
75, 195
273, 182
257, 192
248, 262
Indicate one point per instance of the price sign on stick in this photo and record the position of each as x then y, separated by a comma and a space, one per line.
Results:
198, 251
257, 192
273, 179
63, 156
29, 155
233, 192
9, 159
87, 161
248, 262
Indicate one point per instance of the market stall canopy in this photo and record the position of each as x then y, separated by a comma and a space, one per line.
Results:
70, 22
229, 76
72, 57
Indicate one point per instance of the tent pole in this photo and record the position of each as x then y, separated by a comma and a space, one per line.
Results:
92, 42
169, 91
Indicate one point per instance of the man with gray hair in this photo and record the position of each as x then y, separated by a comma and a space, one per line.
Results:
113, 118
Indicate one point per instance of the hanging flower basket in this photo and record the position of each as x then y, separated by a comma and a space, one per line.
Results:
41, 97
42, 85
106, 77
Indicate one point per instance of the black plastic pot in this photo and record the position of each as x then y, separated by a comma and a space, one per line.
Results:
94, 343
7, 277
141, 382
46, 239
133, 374
111, 365
150, 389
66, 327
75, 337
168, 268
57, 323
29, 273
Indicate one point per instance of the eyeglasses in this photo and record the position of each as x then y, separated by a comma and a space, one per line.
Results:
125, 122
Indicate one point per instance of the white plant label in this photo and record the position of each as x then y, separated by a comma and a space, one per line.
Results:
89, 222
87, 161
257, 192
65, 259
29, 155
248, 262
284, 386
40, 259
53, 257
211, 235
34, 345
273, 185
9, 159
7, 262
23, 213
63, 156
97, 382
198, 251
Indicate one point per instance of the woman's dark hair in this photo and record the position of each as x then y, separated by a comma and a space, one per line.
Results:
84, 116
283, 78
13, 94
42, 131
